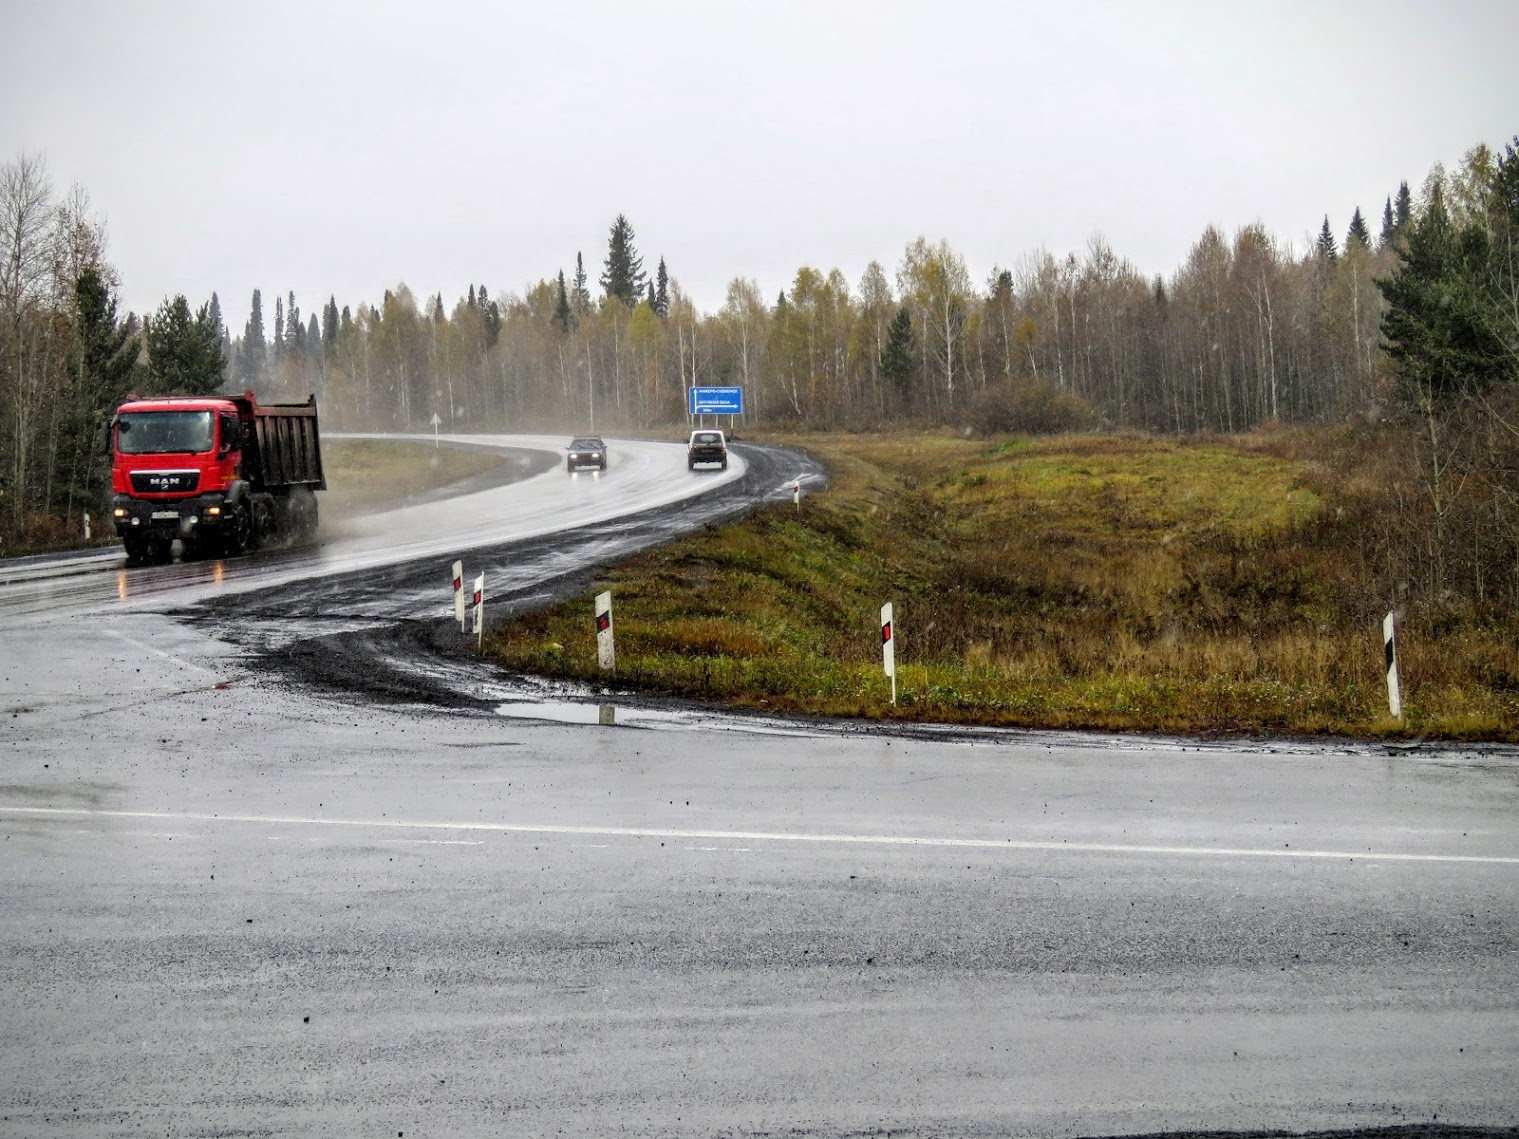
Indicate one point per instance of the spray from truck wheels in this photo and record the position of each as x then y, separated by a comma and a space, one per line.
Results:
223, 474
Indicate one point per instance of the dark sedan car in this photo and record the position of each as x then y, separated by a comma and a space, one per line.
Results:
587, 451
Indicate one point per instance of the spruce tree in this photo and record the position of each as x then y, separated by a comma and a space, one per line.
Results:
652, 300
1326, 248
1389, 227
279, 329
330, 324
580, 296
1402, 209
1358, 231
253, 356
1439, 324
471, 301
661, 302
624, 276
898, 357
492, 313
184, 351
108, 350
564, 315
295, 331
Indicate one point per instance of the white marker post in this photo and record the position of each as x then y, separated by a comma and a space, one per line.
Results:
889, 647
1390, 648
436, 423
796, 496
86, 525
480, 611
606, 653
459, 594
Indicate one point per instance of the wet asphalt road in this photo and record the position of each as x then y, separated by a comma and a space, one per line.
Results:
240, 900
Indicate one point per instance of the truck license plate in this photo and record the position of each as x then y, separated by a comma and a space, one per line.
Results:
165, 515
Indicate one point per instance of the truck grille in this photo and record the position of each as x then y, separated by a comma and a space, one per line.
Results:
165, 482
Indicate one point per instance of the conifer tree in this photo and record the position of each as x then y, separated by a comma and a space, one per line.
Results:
279, 328
1402, 209
1358, 231
252, 358
295, 331
184, 351
624, 276
652, 300
580, 296
898, 357
1438, 324
471, 301
492, 313
1326, 248
108, 350
1389, 227
564, 315
661, 302
330, 324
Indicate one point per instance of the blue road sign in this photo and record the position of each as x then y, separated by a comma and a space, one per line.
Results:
715, 401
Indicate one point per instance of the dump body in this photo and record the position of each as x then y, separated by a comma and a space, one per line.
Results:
220, 473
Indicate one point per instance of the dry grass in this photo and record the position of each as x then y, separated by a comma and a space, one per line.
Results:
370, 474
1120, 582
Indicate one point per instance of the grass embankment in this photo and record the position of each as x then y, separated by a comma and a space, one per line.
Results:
372, 474
1121, 583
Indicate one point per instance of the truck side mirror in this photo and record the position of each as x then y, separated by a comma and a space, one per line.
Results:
103, 439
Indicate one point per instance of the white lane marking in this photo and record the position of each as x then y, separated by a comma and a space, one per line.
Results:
770, 836
160, 652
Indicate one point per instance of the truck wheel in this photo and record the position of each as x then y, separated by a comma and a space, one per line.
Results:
239, 532
301, 514
137, 547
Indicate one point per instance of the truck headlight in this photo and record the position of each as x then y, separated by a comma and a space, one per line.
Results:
120, 512
213, 510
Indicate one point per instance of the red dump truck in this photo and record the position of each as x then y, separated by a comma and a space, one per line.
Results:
223, 474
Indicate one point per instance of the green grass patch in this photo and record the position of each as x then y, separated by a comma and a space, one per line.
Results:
1122, 583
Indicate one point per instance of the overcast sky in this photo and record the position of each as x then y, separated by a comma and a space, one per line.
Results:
336, 149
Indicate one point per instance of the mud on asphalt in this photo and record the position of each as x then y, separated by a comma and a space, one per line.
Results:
376, 635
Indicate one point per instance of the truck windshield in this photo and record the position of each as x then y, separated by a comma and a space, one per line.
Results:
164, 432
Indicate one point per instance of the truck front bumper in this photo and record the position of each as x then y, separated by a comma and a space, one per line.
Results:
179, 518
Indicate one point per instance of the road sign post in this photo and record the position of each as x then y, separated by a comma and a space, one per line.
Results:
459, 594
889, 646
480, 611
606, 653
1390, 653
436, 423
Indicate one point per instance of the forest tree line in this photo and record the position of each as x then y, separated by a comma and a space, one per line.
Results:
1249, 329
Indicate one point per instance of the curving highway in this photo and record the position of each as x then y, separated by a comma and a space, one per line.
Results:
532, 496
278, 856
